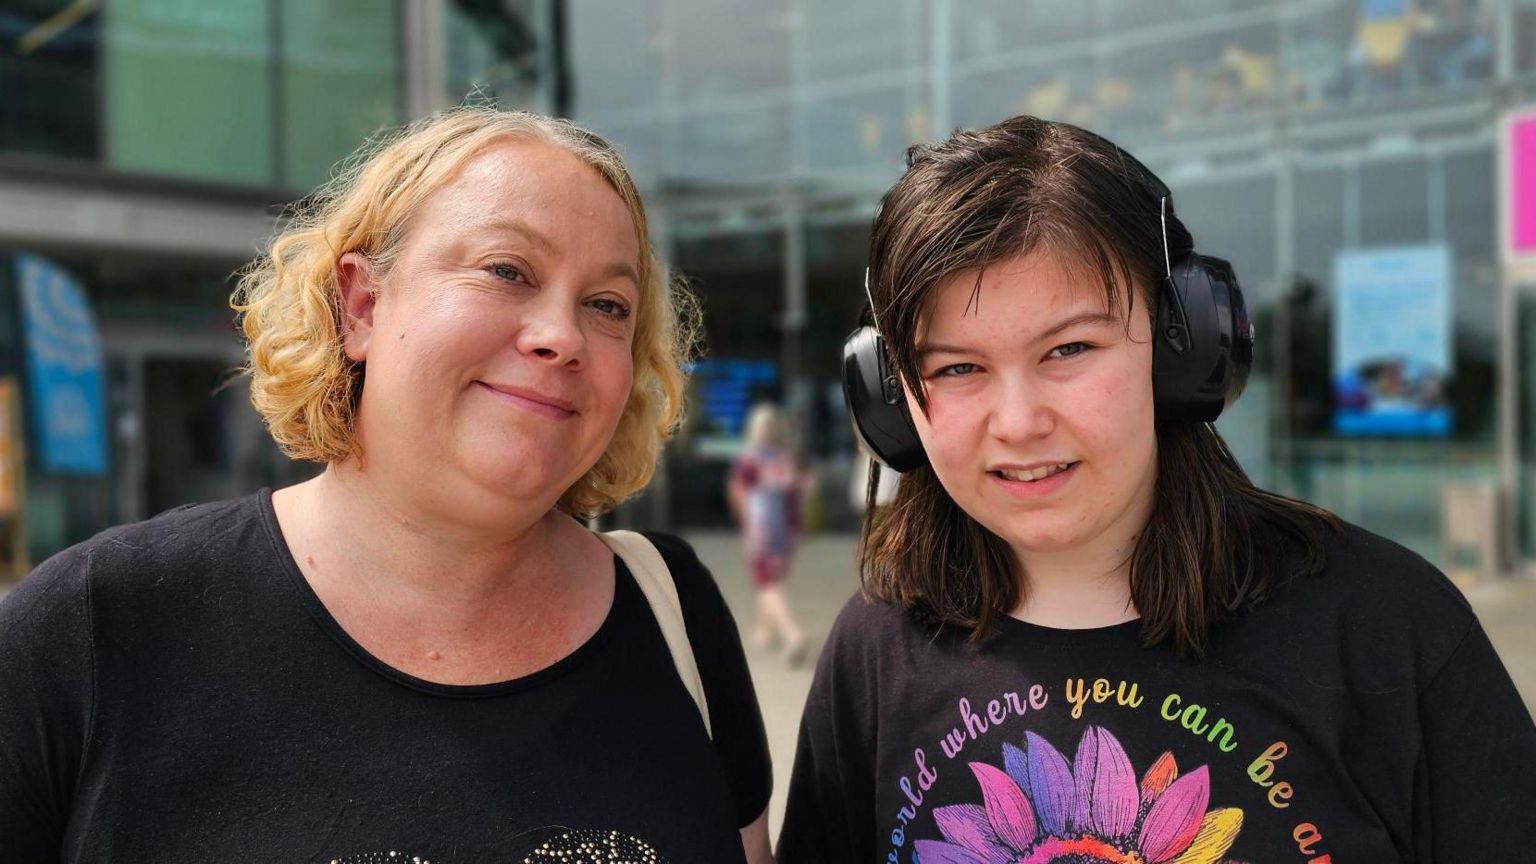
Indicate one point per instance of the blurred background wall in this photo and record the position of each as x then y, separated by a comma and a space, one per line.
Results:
1344, 154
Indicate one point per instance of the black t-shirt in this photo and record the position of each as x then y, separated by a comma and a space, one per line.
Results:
1358, 715
175, 691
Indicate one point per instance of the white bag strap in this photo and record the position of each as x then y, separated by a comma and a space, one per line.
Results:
655, 580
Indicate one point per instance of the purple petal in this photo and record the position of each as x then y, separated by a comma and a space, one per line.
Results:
1007, 809
967, 825
934, 852
1051, 782
1107, 797
1017, 766
1174, 820
1082, 789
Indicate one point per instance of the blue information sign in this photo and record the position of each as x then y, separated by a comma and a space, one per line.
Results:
64, 370
1392, 341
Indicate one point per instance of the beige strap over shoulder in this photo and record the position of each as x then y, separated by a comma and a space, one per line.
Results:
655, 581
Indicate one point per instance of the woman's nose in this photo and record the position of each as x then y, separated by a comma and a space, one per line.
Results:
551, 332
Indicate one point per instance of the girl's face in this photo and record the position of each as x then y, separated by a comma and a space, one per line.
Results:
1040, 408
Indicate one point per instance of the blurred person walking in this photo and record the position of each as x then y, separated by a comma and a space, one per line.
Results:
422, 654
764, 490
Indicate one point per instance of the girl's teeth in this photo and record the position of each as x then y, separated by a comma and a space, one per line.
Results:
1036, 474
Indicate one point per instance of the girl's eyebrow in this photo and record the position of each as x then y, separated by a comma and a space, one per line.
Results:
926, 348
1083, 319
1088, 319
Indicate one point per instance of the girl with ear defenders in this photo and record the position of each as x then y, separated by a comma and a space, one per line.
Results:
1085, 635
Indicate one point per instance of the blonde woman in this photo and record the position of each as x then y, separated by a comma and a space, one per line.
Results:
764, 489
422, 654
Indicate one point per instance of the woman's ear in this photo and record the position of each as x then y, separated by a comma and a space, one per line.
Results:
357, 292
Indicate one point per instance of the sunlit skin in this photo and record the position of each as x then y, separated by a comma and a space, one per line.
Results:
1026, 374
497, 366
498, 350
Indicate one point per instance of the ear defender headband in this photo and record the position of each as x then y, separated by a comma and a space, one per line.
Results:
1202, 350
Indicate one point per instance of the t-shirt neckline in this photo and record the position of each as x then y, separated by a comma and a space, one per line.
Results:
624, 589
1110, 633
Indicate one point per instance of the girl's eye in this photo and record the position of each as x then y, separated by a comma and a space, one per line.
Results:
1071, 349
610, 308
955, 370
507, 272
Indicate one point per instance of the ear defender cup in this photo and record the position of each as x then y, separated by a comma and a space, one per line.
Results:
1202, 349
877, 404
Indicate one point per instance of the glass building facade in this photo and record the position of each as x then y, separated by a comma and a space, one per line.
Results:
1308, 141
147, 150
1296, 135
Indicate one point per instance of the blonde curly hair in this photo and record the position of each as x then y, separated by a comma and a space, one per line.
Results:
306, 388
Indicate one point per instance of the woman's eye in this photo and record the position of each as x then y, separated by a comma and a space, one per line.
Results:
611, 308
1071, 349
955, 370
507, 272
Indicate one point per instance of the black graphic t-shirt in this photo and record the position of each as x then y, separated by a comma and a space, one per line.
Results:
1359, 715
173, 691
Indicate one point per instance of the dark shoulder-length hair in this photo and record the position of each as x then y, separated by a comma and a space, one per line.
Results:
1215, 543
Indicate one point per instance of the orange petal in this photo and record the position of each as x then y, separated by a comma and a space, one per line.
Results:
1163, 772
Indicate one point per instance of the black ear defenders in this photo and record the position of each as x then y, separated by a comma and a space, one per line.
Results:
1202, 349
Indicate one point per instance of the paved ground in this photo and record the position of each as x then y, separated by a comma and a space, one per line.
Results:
824, 578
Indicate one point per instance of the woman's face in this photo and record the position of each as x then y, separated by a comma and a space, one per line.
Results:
498, 346
1040, 409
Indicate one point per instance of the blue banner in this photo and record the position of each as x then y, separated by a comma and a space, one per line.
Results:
1392, 341
64, 370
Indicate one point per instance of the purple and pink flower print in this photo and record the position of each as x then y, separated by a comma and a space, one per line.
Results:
1039, 809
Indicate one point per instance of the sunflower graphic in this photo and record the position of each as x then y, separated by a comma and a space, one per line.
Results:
1041, 810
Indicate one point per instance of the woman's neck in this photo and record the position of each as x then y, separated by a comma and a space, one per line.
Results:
438, 599
1078, 587
424, 552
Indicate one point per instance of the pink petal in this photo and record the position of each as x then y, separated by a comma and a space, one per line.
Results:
1174, 819
1050, 781
1007, 809
967, 825
934, 852
1107, 799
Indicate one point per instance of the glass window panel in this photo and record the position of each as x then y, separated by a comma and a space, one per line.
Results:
861, 130
982, 28
1394, 202
722, 48
1187, 83
1469, 204
1057, 91
340, 82
616, 56
492, 52
855, 39
1317, 55
732, 147
1319, 228
1524, 36
1139, 13
1453, 43
1235, 220
48, 78
189, 89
